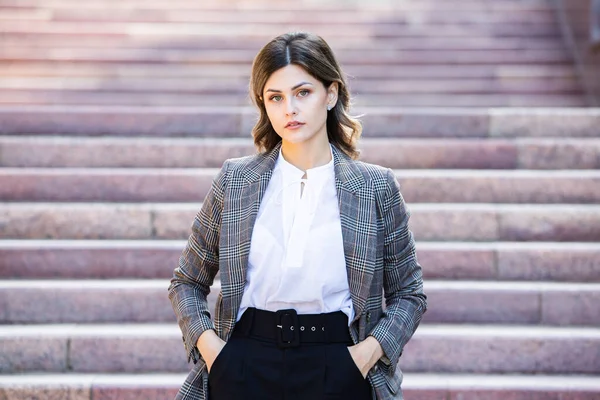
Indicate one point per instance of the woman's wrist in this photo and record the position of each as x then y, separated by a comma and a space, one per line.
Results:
375, 350
207, 343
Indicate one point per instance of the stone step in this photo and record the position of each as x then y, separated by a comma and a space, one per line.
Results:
119, 152
191, 185
243, 43
161, 386
264, 25
215, 86
501, 72
155, 259
238, 121
267, 32
399, 16
456, 302
429, 222
516, 6
135, 348
346, 57
15, 97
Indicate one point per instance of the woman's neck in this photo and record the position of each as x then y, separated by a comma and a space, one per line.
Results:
305, 156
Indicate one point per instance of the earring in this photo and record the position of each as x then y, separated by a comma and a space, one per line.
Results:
328, 107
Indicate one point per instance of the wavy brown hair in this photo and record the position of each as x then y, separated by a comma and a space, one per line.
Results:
312, 53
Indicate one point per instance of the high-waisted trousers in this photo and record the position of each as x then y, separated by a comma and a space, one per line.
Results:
292, 360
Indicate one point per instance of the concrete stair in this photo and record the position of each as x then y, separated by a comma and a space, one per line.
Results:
506, 40
114, 117
448, 348
185, 185
146, 259
421, 386
434, 153
109, 301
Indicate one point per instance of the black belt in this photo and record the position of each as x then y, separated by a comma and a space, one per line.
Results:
287, 328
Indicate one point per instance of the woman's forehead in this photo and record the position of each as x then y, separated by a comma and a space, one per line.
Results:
288, 78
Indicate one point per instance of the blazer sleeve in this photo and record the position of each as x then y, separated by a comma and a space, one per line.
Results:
198, 265
402, 278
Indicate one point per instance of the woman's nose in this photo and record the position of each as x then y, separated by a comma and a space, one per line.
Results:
291, 107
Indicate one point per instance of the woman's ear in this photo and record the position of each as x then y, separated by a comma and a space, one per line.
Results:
332, 94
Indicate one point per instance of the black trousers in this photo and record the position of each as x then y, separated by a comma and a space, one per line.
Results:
255, 367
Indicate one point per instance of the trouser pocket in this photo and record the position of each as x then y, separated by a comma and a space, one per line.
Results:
226, 376
343, 379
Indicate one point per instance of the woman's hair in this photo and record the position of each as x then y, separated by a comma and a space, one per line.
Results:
312, 53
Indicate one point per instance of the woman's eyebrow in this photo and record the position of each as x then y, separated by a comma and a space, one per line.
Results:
293, 88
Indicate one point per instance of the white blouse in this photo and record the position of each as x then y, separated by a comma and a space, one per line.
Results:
296, 255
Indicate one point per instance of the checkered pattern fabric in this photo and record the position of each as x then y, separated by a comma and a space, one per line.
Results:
378, 245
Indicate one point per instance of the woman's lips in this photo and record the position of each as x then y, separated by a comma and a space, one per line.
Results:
294, 126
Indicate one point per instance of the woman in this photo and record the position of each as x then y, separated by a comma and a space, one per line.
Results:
305, 240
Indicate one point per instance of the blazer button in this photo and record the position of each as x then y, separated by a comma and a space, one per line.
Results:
368, 316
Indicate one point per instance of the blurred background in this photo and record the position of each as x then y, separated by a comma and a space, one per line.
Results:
115, 115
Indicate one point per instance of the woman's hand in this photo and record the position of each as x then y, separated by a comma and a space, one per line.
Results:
210, 345
365, 354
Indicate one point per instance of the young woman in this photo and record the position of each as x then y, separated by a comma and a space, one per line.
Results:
306, 240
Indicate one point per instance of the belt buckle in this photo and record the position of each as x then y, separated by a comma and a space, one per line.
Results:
287, 327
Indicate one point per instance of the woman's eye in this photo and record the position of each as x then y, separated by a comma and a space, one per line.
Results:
304, 92
275, 98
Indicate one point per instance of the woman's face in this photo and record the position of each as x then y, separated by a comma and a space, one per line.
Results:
292, 94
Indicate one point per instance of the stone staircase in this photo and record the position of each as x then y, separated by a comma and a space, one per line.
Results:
115, 116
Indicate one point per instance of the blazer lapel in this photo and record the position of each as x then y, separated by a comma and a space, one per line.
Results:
357, 208
245, 193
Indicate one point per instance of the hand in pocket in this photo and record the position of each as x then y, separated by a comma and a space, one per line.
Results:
214, 354
360, 364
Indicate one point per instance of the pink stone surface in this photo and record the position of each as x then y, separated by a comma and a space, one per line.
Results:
76, 222
133, 121
18, 354
523, 394
568, 225
131, 392
501, 355
559, 154
481, 306
433, 154
571, 308
457, 264
506, 188
50, 392
152, 262
87, 304
210, 153
545, 123
173, 223
136, 301
425, 394
550, 264
407, 123
90, 263
108, 186
454, 225
130, 354
116, 185
192, 186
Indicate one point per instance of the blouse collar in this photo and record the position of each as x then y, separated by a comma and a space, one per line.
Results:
293, 173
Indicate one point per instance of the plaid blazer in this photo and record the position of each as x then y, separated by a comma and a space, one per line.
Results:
379, 251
